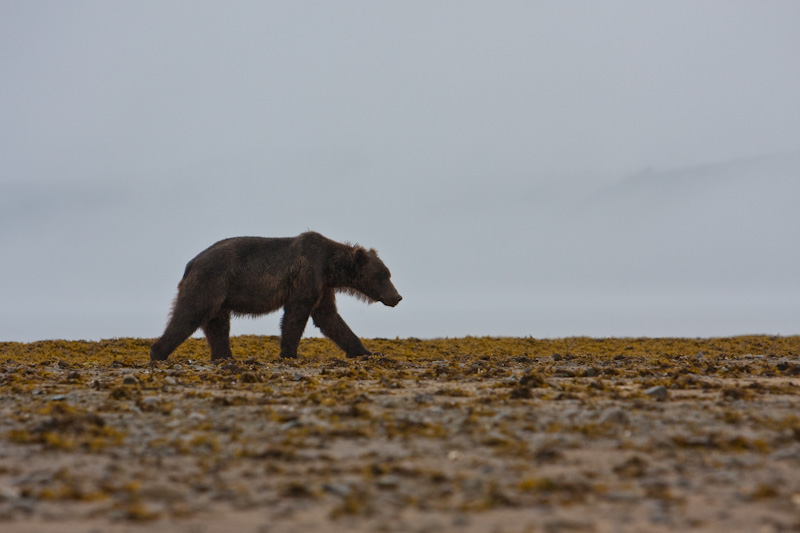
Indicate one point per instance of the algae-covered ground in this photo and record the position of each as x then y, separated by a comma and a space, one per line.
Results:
473, 434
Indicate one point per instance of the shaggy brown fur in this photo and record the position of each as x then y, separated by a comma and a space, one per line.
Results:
257, 275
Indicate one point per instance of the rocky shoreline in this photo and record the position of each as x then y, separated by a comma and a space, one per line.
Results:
473, 434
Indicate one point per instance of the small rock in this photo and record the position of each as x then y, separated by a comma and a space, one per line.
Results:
196, 417
795, 499
130, 380
162, 493
614, 415
658, 392
388, 482
337, 489
26, 505
6, 511
564, 524
150, 401
423, 398
294, 423
787, 454
627, 496
8, 494
460, 520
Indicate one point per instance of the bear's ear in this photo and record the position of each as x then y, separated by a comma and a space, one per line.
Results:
360, 257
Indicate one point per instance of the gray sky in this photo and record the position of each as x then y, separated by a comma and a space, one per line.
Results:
524, 168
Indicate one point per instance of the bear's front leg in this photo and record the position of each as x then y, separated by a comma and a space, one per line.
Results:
331, 324
295, 318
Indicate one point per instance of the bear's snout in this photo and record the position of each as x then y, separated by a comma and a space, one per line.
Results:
392, 300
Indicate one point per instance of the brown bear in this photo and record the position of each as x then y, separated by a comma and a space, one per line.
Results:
257, 275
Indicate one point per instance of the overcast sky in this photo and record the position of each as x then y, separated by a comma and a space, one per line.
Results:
524, 168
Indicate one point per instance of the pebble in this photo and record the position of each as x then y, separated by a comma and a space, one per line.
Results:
151, 401
658, 392
614, 415
786, 454
795, 499
337, 489
295, 423
460, 520
423, 398
196, 417
26, 505
622, 496
130, 380
7, 494
162, 493
388, 481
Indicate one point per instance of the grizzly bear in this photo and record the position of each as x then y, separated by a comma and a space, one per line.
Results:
257, 275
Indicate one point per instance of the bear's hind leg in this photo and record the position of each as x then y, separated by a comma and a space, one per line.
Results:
217, 330
180, 327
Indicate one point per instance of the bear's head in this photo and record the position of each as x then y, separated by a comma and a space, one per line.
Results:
371, 278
